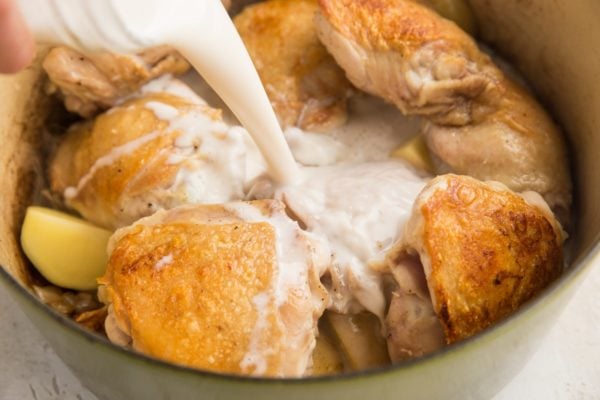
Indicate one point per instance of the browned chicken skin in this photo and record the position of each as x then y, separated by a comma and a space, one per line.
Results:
306, 87
201, 286
130, 161
95, 82
485, 251
481, 123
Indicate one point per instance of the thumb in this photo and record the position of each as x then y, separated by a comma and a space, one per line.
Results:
16, 42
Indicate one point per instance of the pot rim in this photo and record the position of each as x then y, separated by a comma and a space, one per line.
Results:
572, 275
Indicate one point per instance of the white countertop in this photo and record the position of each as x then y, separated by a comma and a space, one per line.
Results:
567, 365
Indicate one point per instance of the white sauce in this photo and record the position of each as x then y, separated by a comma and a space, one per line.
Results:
291, 275
210, 153
109, 159
361, 210
163, 262
254, 360
358, 199
167, 84
162, 111
313, 149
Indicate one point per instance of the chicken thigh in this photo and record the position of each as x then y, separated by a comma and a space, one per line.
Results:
480, 122
156, 151
94, 82
232, 288
484, 250
304, 84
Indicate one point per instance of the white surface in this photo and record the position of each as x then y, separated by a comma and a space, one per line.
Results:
567, 365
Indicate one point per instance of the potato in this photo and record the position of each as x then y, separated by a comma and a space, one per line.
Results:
415, 151
359, 338
326, 358
66, 250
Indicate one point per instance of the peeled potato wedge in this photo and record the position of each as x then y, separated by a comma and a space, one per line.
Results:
359, 338
326, 358
416, 153
68, 251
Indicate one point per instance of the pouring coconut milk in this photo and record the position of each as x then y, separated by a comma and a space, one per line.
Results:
200, 30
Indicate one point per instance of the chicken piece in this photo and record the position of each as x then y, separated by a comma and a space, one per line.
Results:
484, 249
92, 83
517, 145
150, 153
458, 11
413, 328
481, 123
232, 288
403, 51
306, 87
235, 6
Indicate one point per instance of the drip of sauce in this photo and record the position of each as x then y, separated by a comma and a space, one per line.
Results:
201, 30
294, 259
210, 153
109, 159
361, 209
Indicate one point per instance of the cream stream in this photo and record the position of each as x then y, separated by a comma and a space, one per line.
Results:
200, 30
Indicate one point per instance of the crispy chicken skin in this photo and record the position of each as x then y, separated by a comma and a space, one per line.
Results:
481, 123
128, 163
201, 286
92, 83
485, 250
404, 52
306, 87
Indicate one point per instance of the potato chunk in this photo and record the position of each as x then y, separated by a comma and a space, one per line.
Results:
66, 250
415, 152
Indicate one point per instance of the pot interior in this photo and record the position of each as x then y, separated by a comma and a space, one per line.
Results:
543, 40
23, 115
555, 61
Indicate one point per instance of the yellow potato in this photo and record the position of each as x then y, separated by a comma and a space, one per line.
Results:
326, 358
359, 338
415, 151
67, 251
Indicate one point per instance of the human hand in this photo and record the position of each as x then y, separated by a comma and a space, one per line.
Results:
16, 42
